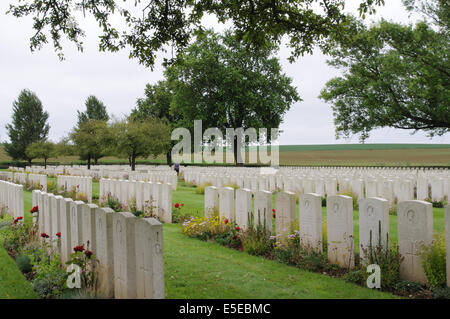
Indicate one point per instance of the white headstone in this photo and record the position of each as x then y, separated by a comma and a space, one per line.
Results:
243, 207
373, 224
415, 228
340, 231
149, 259
311, 221
124, 256
285, 212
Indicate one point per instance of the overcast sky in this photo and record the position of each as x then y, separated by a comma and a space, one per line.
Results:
119, 81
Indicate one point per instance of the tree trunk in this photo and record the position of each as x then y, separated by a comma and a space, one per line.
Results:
95, 161
133, 163
169, 158
237, 154
45, 163
89, 162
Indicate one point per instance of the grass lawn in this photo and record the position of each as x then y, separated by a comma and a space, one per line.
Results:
197, 269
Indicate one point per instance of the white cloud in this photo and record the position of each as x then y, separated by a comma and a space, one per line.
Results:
119, 81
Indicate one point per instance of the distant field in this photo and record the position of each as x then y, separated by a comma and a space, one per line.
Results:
328, 155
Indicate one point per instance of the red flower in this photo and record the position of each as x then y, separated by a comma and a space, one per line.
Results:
182, 205
226, 221
274, 215
88, 253
78, 248
177, 205
17, 219
44, 235
238, 228
273, 210
58, 234
235, 236
34, 209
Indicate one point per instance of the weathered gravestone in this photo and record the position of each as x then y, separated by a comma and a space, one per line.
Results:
211, 201
48, 215
166, 203
340, 231
226, 203
66, 241
415, 228
149, 259
88, 225
41, 216
447, 241
56, 216
263, 210
243, 207
311, 221
124, 255
105, 250
373, 224
285, 213
76, 234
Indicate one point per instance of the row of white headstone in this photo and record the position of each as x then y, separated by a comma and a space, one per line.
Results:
415, 223
25, 178
81, 185
147, 195
398, 183
129, 249
6, 176
11, 198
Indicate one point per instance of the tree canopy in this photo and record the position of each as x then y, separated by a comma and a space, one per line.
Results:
95, 110
394, 76
147, 26
29, 124
140, 138
226, 85
41, 149
91, 139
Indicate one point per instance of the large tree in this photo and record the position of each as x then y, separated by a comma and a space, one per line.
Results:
141, 138
226, 85
91, 139
95, 111
29, 124
156, 104
393, 76
152, 25
41, 149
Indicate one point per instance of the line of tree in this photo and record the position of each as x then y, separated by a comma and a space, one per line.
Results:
93, 137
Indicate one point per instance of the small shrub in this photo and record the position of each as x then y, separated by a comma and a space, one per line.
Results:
387, 257
256, 241
406, 287
434, 261
49, 276
207, 228
441, 292
24, 264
